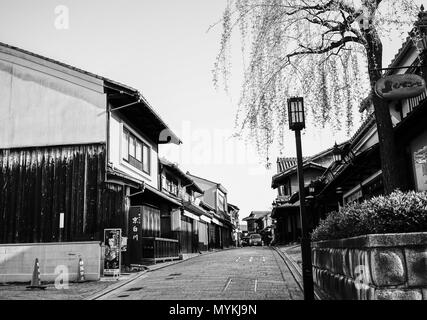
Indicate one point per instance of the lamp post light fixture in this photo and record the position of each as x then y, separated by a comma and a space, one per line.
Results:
296, 113
311, 188
297, 123
337, 153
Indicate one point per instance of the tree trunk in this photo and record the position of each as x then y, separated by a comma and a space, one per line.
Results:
392, 162
392, 157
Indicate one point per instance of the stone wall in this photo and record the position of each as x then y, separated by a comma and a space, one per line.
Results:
17, 260
372, 267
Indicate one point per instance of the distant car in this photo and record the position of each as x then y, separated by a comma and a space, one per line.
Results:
255, 240
245, 241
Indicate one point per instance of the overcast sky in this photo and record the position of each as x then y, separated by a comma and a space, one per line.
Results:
163, 49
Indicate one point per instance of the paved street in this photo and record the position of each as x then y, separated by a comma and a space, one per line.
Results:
251, 273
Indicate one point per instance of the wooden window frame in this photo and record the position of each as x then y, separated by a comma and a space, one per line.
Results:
131, 158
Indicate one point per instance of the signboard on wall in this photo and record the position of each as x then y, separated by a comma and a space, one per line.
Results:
400, 86
135, 234
113, 243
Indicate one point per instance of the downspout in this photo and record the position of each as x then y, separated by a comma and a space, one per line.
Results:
139, 192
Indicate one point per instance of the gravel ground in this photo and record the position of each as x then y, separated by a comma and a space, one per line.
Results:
76, 291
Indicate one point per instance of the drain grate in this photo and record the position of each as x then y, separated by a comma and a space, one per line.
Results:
135, 289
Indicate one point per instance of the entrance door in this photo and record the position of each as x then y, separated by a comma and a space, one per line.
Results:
144, 221
186, 234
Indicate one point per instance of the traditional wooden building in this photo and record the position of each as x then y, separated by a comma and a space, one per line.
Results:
257, 220
78, 154
214, 199
286, 212
359, 176
233, 212
188, 222
260, 222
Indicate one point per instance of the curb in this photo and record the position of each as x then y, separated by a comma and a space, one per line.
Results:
140, 274
115, 286
296, 272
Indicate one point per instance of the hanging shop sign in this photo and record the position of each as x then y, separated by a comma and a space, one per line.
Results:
113, 243
400, 86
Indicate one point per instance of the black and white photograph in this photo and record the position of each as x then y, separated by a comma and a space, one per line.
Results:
213, 155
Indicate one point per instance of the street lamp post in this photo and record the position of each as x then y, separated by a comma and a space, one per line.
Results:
297, 123
337, 154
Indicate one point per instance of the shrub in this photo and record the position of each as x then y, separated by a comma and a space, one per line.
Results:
397, 212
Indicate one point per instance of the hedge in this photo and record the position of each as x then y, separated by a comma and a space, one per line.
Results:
398, 212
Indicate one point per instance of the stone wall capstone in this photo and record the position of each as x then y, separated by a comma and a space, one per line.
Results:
372, 267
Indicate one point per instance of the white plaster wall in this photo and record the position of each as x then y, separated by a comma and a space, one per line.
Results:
41, 106
115, 154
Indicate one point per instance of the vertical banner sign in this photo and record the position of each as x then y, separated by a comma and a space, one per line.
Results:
135, 235
112, 241
61, 220
61, 225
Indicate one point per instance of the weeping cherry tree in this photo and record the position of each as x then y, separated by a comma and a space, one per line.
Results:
328, 51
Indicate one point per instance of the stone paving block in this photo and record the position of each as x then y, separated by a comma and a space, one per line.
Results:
346, 262
349, 290
364, 291
323, 258
324, 279
339, 279
359, 266
338, 261
328, 258
388, 267
313, 257
416, 261
332, 260
336, 285
424, 294
316, 272
397, 294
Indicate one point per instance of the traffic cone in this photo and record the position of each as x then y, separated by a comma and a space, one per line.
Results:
81, 271
35, 280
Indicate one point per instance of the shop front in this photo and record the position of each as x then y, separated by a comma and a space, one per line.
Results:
146, 242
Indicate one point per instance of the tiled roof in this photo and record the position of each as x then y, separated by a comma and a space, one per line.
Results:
175, 168
256, 215
422, 20
285, 163
369, 121
306, 164
212, 183
287, 166
134, 91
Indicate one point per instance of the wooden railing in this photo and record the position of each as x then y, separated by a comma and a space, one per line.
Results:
415, 101
159, 249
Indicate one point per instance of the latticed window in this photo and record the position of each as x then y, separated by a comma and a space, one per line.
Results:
135, 151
